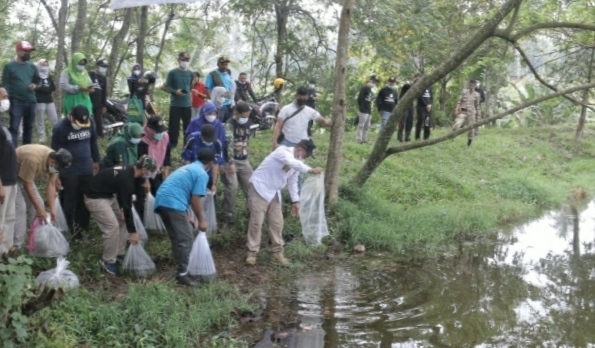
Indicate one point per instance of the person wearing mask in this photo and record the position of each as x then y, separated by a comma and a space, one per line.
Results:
20, 79
135, 74
178, 84
76, 133
109, 199
99, 94
364, 104
154, 143
424, 109
468, 109
76, 84
311, 102
406, 122
45, 102
209, 116
205, 139
292, 123
199, 94
35, 162
221, 77
386, 100
279, 169
238, 168
8, 183
184, 189
123, 148
244, 89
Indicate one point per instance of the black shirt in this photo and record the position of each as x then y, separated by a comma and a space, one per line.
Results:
243, 90
8, 160
364, 100
386, 99
425, 98
99, 96
311, 102
44, 90
118, 181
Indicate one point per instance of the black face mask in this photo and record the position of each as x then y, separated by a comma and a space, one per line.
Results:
26, 57
300, 102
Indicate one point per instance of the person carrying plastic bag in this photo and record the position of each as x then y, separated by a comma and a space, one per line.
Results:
151, 220
208, 209
46, 240
312, 215
137, 262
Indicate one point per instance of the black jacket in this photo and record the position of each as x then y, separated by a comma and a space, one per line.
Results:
243, 90
364, 100
386, 100
425, 98
482, 94
99, 96
44, 90
311, 102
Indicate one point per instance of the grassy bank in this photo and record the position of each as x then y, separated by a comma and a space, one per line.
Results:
420, 200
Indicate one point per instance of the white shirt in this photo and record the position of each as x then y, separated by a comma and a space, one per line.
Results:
296, 128
279, 169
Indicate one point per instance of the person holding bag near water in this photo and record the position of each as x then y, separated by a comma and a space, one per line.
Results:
77, 84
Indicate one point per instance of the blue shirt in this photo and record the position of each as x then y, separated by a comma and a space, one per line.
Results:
81, 143
177, 190
195, 144
228, 84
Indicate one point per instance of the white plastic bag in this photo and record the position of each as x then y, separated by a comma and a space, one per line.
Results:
60, 223
138, 225
48, 241
137, 261
312, 215
59, 277
200, 262
208, 210
152, 220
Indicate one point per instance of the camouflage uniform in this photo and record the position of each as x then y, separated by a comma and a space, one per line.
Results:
469, 104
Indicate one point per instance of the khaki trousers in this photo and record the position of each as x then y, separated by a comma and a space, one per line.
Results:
230, 185
259, 207
7, 218
470, 117
106, 214
363, 127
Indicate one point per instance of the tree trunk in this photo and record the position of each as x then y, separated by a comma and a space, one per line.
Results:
333, 164
115, 53
162, 43
142, 32
581, 121
79, 26
282, 14
450, 64
61, 60
442, 97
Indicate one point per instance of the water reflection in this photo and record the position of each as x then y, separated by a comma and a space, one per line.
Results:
534, 287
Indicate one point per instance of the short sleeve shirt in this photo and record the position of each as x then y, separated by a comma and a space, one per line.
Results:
175, 192
296, 128
32, 161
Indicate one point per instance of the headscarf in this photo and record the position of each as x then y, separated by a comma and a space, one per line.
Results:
157, 148
135, 78
41, 75
195, 124
129, 131
216, 94
79, 78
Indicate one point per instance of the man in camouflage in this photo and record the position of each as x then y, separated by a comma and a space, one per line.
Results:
468, 109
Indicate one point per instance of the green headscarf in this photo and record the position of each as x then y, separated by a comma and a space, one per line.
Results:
79, 78
129, 131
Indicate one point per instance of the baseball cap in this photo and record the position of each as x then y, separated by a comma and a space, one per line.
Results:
80, 115
373, 78
207, 131
147, 162
392, 79
102, 62
62, 157
307, 145
24, 46
156, 123
223, 59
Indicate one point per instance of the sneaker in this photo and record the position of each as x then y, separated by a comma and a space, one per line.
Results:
251, 258
280, 259
109, 267
185, 280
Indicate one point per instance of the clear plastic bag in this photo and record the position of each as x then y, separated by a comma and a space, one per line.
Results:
201, 262
59, 277
208, 210
152, 220
137, 261
46, 240
61, 223
138, 224
312, 215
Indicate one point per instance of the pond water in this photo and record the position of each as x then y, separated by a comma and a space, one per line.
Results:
533, 286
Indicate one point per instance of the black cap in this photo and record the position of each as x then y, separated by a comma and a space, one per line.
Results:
313, 82
147, 162
373, 78
101, 62
156, 123
307, 145
223, 59
62, 157
205, 156
207, 131
392, 79
80, 114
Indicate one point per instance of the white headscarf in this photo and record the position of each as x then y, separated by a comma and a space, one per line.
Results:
217, 93
42, 75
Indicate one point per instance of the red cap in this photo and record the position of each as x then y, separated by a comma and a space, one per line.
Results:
24, 46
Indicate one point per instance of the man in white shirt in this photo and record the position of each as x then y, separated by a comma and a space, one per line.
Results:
292, 122
279, 169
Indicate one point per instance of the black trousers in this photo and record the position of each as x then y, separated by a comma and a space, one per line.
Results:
98, 118
73, 203
177, 114
406, 125
423, 121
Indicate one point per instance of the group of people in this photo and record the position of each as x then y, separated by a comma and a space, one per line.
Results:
468, 109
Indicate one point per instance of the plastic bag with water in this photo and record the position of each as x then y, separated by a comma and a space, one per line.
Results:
152, 220
208, 210
312, 215
201, 262
61, 223
137, 261
46, 240
59, 277
138, 225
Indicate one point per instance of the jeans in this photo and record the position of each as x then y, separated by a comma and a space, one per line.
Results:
287, 143
181, 236
25, 111
385, 115
177, 114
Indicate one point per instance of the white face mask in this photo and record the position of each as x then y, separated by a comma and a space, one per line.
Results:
135, 140
75, 126
221, 100
371, 85
147, 175
53, 170
80, 67
477, 84
243, 120
136, 72
4, 105
102, 71
312, 86
44, 69
184, 65
211, 118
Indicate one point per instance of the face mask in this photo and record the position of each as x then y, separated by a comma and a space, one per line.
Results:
158, 136
80, 67
243, 120
298, 157
392, 87
371, 85
477, 85
75, 126
147, 176
221, 100
4, 105
26, 57
135, 140
211, 118
300, 102
312, 86
53, 170
102, 71
209, 143
44, 69
136, 72
184, 65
